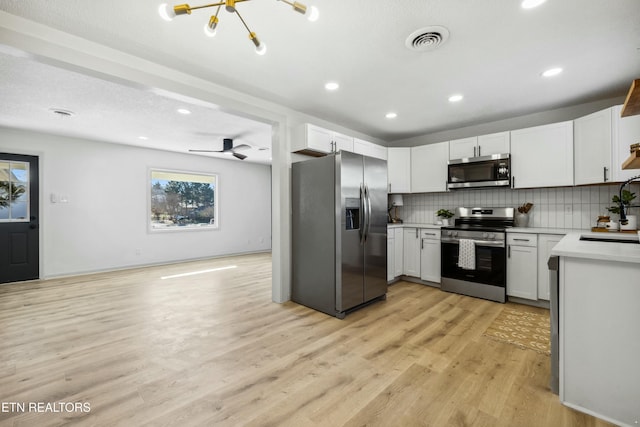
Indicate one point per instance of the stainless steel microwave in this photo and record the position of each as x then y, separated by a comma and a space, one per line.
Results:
484, 171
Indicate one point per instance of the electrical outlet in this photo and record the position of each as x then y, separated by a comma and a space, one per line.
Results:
568, 209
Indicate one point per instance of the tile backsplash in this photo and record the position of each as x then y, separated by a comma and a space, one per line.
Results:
564, 207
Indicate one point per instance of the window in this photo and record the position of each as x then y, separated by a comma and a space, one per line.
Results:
183, 200
14, 191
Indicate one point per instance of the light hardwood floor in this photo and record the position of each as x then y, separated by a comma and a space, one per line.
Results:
213, 350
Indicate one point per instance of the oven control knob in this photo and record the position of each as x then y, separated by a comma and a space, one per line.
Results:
455, 234
485, 235
492, 236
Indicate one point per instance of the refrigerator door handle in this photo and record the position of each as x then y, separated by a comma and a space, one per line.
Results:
368, 197
363, 214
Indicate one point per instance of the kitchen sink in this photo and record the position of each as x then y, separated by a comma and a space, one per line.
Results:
631, 239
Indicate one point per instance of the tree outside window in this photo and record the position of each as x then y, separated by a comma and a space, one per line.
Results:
183, 200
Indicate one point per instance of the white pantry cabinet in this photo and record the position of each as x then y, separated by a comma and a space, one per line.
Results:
399, 170
411, 252
546, 242
542, 156
476, 146
522, 265
370, 149
429, 167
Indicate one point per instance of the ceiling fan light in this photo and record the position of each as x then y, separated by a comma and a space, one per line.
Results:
210, 28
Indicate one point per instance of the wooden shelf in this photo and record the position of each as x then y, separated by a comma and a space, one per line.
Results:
633, 162
631, 105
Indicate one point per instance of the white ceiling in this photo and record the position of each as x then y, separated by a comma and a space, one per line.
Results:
494, 56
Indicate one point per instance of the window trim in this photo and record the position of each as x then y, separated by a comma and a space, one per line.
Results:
172, 229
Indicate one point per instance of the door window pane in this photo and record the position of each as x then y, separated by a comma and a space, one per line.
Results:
14, 191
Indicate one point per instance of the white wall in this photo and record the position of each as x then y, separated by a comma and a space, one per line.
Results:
104, 224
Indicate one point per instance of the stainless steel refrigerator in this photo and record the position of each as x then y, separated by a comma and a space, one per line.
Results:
339, 232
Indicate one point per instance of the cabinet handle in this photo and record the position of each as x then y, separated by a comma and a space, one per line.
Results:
416, 233
513, 182
422, 244
509, 251
479, 147
521, 240
604, 170
474, 151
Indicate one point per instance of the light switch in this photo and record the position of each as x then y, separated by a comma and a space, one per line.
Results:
54, 198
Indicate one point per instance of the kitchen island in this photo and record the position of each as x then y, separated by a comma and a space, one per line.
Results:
599, 315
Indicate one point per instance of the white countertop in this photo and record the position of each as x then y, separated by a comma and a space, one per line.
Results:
414, 225
572, 246
541, 230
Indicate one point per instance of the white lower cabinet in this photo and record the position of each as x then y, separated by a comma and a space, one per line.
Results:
391, 259
430, 255
522, 265
546, 242
411, 252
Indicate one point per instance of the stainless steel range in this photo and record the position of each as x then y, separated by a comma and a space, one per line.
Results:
474, 260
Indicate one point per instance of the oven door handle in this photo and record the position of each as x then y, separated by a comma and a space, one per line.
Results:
488, 243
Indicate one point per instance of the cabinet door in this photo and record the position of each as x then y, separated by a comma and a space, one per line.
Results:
463, 148
546, 242
495, 143
391, 268
367, 148
342, 142
429, 168
592, 148
399, 252
411, 252
522, 272
399, 170
542, 156
626, 131
430, 260
318, 139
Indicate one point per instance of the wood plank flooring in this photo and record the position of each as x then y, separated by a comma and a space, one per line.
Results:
211, 349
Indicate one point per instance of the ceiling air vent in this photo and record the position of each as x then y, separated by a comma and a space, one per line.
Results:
428, 38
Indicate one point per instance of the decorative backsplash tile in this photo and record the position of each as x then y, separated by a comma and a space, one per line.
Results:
565, 207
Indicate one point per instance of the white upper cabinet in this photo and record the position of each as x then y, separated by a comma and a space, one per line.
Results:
463, 148
592, 148
399, 170
316, 141
476, 146
494, 143
429, 167
542, 156
625, 131
367, 148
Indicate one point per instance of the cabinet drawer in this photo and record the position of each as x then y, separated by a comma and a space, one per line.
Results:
433, 234
522, 239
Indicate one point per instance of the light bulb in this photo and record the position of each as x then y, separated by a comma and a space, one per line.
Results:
261, 49
313, 13
166, 12
210, 27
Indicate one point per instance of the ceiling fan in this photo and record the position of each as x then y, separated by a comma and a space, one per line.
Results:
227, 148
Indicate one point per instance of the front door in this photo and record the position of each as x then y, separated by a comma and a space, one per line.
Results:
19, 259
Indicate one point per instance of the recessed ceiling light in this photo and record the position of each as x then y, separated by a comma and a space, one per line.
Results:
62, 112
183, 111
552, 72
144, 138
530, 4
391, 115
455, 98
331, 86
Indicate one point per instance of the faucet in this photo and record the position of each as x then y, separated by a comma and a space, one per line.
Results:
623, 216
